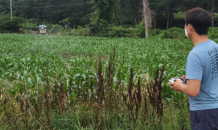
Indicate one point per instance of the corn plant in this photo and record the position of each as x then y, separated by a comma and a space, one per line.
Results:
45, 79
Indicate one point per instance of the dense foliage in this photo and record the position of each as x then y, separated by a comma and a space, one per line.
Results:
101, 15
9, 25
46, 79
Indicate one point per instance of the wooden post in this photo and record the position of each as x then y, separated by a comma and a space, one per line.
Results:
11, 8
212, 13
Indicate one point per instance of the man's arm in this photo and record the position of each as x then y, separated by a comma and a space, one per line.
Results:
191, 89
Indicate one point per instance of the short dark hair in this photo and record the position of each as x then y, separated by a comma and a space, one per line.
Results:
200, 20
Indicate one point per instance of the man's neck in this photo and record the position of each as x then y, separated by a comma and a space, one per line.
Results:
199, 39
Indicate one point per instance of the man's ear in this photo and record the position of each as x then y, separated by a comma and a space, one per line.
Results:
188, 26
191, 28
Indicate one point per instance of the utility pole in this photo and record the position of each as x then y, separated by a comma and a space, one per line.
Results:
11, 8
212, 13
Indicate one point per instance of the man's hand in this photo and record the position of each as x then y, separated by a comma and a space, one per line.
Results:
183, 77
191, 89
176, 85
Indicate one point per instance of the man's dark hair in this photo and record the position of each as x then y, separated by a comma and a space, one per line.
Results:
200, 20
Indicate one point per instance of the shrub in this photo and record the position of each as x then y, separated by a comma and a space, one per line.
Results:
80, 32
8, 24
120, 32
174, 33
140, 30
213, 33
99, 27
55, 28
155, 32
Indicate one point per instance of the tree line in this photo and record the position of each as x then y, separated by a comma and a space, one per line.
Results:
98, 14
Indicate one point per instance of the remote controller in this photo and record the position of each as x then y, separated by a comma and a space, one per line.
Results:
172, 80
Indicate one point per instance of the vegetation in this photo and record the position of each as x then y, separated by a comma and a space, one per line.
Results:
101, 16
8, 25
76, 82
64, 82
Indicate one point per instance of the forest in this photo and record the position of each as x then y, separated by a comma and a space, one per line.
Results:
99, 15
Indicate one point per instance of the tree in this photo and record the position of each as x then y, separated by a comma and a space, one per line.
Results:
30, 9
8, 24
54, 11
136, 6
103, 15
4, 6
147, 16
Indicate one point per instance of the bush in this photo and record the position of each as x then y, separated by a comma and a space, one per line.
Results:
120, 32
8, 24
80, 32
140, 30
110, 32
213, 33
55, 28
100, 27
174, 33
154, 32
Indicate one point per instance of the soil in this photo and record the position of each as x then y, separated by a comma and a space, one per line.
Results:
67, 56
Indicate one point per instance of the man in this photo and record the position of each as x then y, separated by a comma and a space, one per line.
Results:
201, 72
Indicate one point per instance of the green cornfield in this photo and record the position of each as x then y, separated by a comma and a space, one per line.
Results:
68, 82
